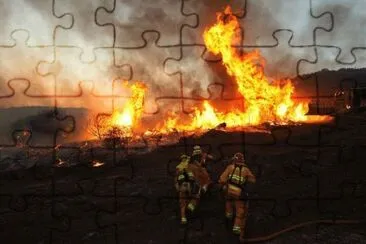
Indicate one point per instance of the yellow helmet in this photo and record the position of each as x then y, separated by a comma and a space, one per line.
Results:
184, 156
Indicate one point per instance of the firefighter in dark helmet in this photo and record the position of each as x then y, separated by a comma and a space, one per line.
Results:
233, 179
198, 159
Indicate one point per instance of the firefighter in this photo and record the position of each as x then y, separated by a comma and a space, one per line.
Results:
198, 160
233, 180
180, 168
203, 156
187, 187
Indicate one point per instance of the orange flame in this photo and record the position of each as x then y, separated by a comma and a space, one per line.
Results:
133, 108
264, 101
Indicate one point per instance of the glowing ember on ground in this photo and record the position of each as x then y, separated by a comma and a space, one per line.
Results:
61, 163
96, 163
264, 101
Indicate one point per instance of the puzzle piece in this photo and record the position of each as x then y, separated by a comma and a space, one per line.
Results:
15, 98
254, 15
147, 65
340, 233
19, 62
339, 158
17, 156
124, 15
29, 190
90, 235
279, 65
330, 81
125, 204
199, 86
77, 211
37, 18
70, 71
27, 213
200, 9
276, 16
345, 23
188, 75
83, 117
84, 32
40, 120
188, 64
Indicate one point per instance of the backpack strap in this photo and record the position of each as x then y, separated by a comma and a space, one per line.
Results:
240, 173
240, 167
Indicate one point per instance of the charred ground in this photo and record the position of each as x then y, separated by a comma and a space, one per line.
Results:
305, 173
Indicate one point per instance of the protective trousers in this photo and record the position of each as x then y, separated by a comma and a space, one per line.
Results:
241, 211
187, 201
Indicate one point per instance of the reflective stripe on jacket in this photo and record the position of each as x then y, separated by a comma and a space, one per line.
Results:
237, 176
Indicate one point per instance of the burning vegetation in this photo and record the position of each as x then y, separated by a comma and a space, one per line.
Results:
264, 101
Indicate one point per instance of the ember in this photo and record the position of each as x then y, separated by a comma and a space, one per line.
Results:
96, 163
61, 163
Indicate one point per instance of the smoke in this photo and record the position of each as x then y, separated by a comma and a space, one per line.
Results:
76, 59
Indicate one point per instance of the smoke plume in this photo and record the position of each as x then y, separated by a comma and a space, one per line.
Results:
99, 42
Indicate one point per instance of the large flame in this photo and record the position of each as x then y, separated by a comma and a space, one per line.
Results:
264, 101
133, 108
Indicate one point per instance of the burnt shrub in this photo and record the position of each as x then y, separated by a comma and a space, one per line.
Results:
115, 137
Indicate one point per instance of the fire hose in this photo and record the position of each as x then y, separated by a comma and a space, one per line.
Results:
300, 225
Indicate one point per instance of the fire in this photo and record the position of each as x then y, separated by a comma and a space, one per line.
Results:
133, 108
264, 100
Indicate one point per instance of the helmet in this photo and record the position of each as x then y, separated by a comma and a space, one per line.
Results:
196, 150
196, 147
238, 157
184, 156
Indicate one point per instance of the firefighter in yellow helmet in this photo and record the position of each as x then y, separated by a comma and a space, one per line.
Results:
187, 186
233, 180
180, 168
198, 182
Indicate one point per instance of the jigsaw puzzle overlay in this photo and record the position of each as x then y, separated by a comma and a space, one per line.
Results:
67, 66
